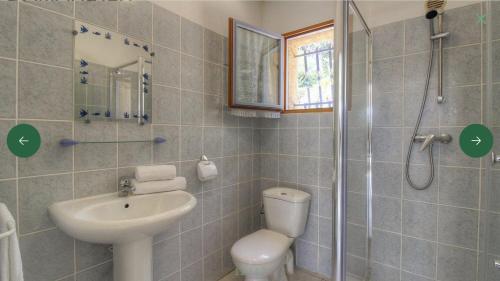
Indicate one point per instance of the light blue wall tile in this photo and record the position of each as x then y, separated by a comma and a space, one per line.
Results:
164, 266
101, 13
166, 67
47, 255
45, 37
7, 159
8, 88
51, 157
191, 38
134, 19
45, 92
95, 183
88, 254
103, 272
166, 28
8, 29
456, 264
388, 40
36, 195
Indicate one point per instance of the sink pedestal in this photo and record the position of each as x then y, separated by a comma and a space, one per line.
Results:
129, 223
133, 261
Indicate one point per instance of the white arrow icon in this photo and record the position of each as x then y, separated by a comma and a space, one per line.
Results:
477, 140
22, 140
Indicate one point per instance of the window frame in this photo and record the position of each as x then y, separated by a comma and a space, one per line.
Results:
292, 34
233, 25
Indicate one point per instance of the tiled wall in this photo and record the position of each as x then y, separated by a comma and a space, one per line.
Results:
430, 234
436, 230
189, 82
297, 151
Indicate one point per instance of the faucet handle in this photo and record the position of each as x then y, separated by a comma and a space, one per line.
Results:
427, 141
124, 182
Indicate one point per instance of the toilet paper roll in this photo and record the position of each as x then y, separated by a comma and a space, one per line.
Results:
207, 170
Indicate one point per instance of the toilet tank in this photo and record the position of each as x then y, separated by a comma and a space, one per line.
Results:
286, 210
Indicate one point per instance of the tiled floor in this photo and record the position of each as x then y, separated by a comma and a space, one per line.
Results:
299, 275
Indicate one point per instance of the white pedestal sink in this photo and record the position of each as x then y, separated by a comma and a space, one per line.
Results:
129, 223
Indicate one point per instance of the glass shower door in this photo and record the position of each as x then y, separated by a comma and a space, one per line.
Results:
489, 255
353, 116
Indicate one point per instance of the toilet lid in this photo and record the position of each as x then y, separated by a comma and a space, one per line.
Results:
262, 246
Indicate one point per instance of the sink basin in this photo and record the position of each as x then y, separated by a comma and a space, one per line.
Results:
112, 219
129, 223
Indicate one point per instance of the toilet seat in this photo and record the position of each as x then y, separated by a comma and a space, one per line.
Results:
261, 247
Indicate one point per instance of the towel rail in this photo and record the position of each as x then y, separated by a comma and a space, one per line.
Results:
7, 233
70, 142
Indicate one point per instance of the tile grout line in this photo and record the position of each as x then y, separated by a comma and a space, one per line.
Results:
403, 112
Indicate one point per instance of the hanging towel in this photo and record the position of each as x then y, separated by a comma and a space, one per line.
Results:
159, 186
155, 173
11, 267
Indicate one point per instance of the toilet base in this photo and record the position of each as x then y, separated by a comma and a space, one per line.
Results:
278, 275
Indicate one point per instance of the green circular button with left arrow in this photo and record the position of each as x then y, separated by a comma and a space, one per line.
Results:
23, 140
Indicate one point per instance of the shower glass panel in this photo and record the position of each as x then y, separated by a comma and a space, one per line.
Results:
489, 244
354, 154
357, 151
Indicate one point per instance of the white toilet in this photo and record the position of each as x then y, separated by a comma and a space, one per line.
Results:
262, 255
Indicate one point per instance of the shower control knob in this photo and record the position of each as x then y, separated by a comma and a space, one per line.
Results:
495, 159
440, 99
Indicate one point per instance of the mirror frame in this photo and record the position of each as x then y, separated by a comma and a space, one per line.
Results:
233, 26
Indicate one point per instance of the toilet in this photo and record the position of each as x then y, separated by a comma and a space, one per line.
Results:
262, 255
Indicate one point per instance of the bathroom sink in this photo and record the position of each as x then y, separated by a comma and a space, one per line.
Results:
129, 223
112, 219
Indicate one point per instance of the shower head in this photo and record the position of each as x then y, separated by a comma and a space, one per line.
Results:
434, 8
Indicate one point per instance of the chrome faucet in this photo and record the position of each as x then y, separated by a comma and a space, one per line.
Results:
429, 139
125, 188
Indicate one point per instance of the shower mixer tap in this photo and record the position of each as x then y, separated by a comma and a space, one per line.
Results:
427, 140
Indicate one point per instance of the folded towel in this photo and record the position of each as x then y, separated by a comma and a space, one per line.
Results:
155, 173
11, 267
159, 186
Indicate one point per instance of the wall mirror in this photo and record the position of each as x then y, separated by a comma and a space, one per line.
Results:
112, 76
255, 67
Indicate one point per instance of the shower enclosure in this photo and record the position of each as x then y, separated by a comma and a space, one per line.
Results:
385, 230
353, 125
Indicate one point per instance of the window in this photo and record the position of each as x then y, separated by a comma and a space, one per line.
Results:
309, 68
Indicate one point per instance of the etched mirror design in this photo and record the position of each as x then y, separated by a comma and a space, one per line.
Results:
112, 75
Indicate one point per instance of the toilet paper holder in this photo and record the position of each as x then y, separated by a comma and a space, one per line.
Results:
206, 169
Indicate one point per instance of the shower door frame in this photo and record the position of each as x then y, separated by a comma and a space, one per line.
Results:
339, 188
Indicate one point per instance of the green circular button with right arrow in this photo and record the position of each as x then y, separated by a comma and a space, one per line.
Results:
476, 140
23, 140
